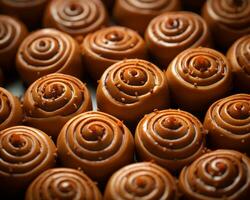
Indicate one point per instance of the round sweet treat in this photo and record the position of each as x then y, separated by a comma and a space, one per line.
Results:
228, 20
172, 32
48, 51
63, 184
170, 138
29, 11
221, 174
11, 112
137, 14
197, 77
110, 45
131, 88
25, 152
239, 57
12, 33
228, 123
54, 99
76, 17
97, 143
141, 181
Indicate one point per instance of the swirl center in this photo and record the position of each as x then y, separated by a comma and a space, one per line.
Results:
54, 91
217, 168
171, 23
115, 36
66, 187
134, 76
171, 123
73, 9
17, 141
240, 110
93, 133
201, 64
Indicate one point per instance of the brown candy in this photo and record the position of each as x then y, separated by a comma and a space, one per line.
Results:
29, 11
25, 153
107, 46
228, 20
131, 88
172, 32
137, 14
197, 77
12, 33
54, 99
76, 17
63, 184
222, 174
97, 143
48, 51
239, 58
11, 112
141, 181
228, 123
170, 138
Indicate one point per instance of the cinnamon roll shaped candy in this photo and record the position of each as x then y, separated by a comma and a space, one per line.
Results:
170, 138
239, 57
228, 123
221, 174
228, 20
25, 153
11, 112
12, 33
76, 17
141, 181
97, 143
107, 46
54, 99
48, 51
63, 184
132, 88
137, 14
197, 77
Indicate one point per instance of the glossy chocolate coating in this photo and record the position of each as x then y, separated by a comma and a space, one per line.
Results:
29, 11
137, 14
132, 88
239, 58
228, 123
107, 46
25, 153
221, 174
228, 20
141, 181
12, 33
172, 32
11, 112
76, 17
63, 184
170, 138
54, 99
197, 77
48, 51
97, 143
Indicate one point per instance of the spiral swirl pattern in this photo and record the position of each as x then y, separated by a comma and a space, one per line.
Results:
48, 51
55, 98
202, 75
228, 122
11, 113
219, 174
25, 152
63, 184
76, 17
131, 84
170, 138
12, 32
95, 141
141, 181
239, 58
107, 46
172, 32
